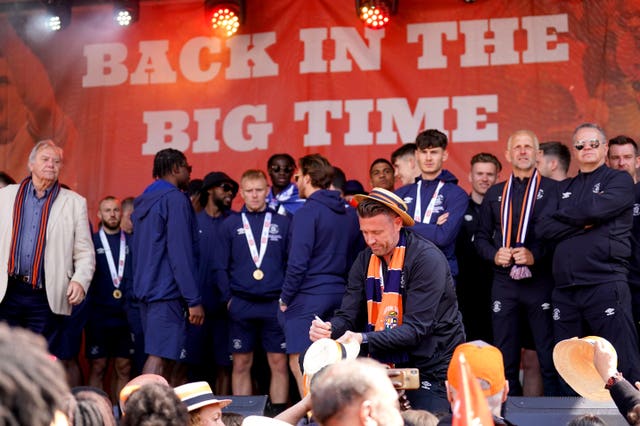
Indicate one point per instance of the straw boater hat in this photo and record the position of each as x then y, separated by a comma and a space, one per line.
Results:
390, 200
573, 359
324, 352
263, 421
198, 394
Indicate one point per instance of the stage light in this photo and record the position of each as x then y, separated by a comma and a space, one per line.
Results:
224, 16
126, 12
376, 13
58, 14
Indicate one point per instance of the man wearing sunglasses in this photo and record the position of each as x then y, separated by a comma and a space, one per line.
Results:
207, 352
164, 249
591, 227
283, 196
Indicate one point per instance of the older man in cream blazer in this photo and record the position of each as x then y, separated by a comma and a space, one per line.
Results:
47, 257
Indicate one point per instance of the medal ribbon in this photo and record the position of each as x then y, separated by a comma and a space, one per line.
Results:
116, 277
264, 238
430, 207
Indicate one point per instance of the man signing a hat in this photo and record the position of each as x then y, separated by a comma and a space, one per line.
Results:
401, 284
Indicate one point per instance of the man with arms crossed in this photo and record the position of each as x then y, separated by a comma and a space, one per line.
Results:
435, 201
591, 227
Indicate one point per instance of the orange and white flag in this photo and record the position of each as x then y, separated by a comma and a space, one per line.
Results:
470, 407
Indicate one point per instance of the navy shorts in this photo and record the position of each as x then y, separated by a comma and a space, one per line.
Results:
300, 313
165, 328
210, 341
108, 341
251, 321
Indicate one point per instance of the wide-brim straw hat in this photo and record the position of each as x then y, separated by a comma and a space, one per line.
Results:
573, 358
263, 421
390, 200
324, 352
198, 394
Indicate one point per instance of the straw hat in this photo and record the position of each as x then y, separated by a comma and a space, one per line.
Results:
390, 200
328, 351
263, 421
573, 359
198, 394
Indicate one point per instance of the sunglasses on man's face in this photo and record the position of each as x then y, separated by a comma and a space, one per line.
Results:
593, 143
278, 169
227, 187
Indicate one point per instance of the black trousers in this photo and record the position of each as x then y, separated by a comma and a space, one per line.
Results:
603, 310
530, 299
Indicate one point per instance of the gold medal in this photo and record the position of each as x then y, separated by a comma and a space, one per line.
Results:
117, 294
258, 274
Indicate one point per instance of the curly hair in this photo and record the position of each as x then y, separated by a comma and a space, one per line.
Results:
32, 382
92, 408
155, 405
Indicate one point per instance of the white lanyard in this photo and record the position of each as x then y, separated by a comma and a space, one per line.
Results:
432, 203
116, 277
264, 238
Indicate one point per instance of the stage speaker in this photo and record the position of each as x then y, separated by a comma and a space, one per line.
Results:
253, 405
552, 411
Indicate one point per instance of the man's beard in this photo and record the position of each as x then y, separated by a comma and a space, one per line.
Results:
111, 228
221, 205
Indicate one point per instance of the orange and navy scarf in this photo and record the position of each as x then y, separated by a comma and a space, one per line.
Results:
518, 272
37, 266
384, 296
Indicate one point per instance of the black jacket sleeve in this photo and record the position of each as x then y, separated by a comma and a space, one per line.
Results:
625, 397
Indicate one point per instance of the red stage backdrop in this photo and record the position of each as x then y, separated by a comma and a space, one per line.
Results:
305, 76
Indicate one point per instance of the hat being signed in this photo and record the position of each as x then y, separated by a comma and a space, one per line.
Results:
324, 352
198, 394
390, 200
263, 421
573, 359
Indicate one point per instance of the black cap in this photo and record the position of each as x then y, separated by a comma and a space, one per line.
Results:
353, 187
217, 178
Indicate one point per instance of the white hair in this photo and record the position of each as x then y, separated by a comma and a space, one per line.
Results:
46, 143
